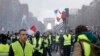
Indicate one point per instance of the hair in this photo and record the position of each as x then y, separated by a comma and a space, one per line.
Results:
3, 38
21, 30
37, 35
81, 28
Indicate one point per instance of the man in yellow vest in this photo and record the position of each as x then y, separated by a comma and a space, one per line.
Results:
4, 47
37, 44
21, 47
57, 42
67, 44
50, 39
46, 42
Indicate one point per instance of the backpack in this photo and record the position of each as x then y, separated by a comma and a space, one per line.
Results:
92, 46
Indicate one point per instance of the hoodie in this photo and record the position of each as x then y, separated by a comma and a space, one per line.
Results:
91, 36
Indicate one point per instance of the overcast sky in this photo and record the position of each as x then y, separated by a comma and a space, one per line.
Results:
45, 8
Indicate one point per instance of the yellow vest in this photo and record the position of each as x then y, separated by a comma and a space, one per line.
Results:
18, 50
67, 39
57, 38
46, 42
50, 39
86, 46
39, 42
4, 49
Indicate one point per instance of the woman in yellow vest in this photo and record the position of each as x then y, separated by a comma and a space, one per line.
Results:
81, 48
4, 47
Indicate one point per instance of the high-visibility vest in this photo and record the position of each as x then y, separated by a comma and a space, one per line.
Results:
4, 49
57, 38
46, 42
67, 39
18, 50
86, 46
50, 39
39, 42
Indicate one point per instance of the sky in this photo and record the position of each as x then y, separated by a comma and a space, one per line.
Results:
45, 8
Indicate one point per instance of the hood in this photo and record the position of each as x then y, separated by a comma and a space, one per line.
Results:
91, 36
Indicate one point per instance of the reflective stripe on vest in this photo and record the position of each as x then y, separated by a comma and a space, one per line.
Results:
4, 49
39, 42
18, 50
67, 39
4, 54
86, 46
